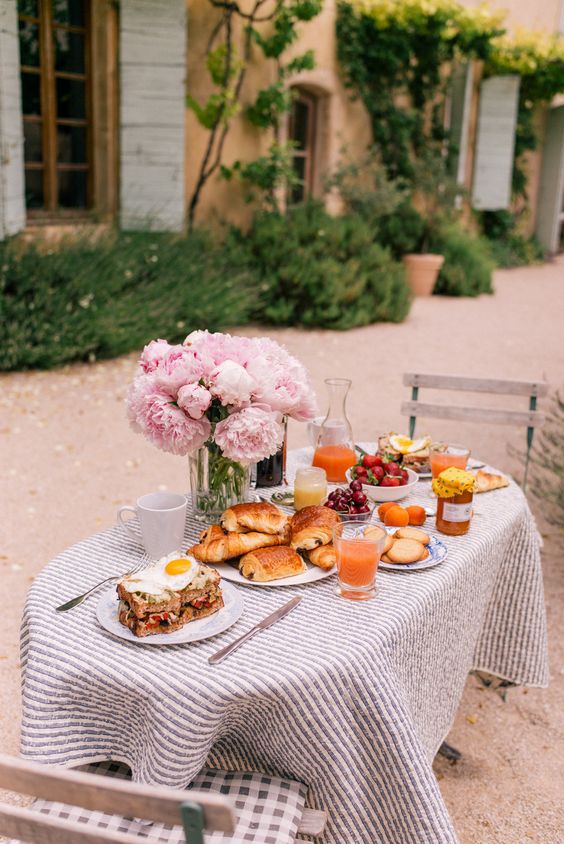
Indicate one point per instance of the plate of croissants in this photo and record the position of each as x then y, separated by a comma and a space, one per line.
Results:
257, 544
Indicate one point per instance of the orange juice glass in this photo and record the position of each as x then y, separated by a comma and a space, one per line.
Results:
443, 456
335, 459
358, 555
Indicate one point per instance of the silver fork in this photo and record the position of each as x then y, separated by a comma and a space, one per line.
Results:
74, 602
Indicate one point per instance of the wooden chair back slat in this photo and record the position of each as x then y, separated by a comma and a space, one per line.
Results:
476, 385
27, 825
113, 796
530, 419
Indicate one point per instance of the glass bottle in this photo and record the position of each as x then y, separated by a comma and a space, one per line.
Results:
334, 450
272, 470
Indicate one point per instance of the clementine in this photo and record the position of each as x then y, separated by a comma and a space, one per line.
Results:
396, 516
383, 508
417, 515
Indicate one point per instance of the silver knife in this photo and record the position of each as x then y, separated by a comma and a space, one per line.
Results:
262, 625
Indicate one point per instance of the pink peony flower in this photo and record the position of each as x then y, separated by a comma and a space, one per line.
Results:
178, 367
218, 348
231, 384
152, 355
166, 426
194, 400
249, 435
142, 387
282, 381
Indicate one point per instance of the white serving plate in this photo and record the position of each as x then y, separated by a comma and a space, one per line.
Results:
313, 573
437, 554
388, 493
194, 631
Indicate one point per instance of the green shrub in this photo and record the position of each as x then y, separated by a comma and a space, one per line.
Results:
86, 299
509, 248
401, 231
323, 271
468, 266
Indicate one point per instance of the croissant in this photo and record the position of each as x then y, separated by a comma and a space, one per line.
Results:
229, 545
211, 532
271, 564
324, 556
312, 526
485, 481
263, 517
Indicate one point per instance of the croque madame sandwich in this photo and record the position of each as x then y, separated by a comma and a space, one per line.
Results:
167, 595
413, 454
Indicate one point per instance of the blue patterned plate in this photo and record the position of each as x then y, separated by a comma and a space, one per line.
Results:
194, 631
437, 554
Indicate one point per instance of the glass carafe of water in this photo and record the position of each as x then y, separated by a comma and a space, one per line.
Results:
334, 449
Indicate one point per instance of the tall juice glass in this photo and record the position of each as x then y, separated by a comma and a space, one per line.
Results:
358, 550
334, 450
443, 456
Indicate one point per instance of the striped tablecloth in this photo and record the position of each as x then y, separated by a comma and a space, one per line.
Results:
352, 699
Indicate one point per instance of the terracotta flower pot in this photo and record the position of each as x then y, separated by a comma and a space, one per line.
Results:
422, 272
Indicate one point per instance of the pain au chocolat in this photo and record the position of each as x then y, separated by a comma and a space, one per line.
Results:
312, 527
267, 564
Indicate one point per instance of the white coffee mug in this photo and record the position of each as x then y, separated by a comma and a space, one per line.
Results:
162, 516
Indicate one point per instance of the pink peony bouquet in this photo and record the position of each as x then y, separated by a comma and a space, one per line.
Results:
217, 390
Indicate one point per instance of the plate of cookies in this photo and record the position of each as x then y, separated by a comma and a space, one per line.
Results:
411, 549
256, 544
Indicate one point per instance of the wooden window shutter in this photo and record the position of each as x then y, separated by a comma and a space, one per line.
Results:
12, 201
495, 143
460, 97
550, 206
152, 104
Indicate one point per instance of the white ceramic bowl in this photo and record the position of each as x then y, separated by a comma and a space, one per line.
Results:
389, 493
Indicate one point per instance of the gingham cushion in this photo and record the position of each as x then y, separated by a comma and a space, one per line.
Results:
268, 809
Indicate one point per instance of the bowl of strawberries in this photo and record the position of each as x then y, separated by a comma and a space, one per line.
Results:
382, 480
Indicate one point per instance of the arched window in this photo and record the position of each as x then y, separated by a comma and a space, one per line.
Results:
302, 132
55, 77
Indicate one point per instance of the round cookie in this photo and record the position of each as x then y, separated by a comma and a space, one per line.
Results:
405, 551
413, 533
426, 553
375, 532
385, 559
388, 543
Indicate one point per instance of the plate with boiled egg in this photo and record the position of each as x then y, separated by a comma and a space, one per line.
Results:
171, 601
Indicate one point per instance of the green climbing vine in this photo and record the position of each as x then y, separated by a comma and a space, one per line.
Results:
269, 26
394, 54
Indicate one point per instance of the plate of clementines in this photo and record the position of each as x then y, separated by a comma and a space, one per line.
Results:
408, 547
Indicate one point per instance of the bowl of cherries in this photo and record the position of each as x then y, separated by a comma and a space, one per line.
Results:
382, 479
350, 502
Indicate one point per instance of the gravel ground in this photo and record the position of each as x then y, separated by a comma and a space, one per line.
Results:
68, 460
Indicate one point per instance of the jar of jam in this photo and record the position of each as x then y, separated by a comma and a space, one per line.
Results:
454, 514
454, 489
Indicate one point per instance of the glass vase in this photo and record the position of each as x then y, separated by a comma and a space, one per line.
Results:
334, 450
216, 482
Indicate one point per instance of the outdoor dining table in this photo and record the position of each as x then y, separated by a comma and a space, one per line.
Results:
351, 698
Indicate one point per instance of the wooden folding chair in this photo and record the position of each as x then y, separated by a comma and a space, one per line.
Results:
113, 795
531, 419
